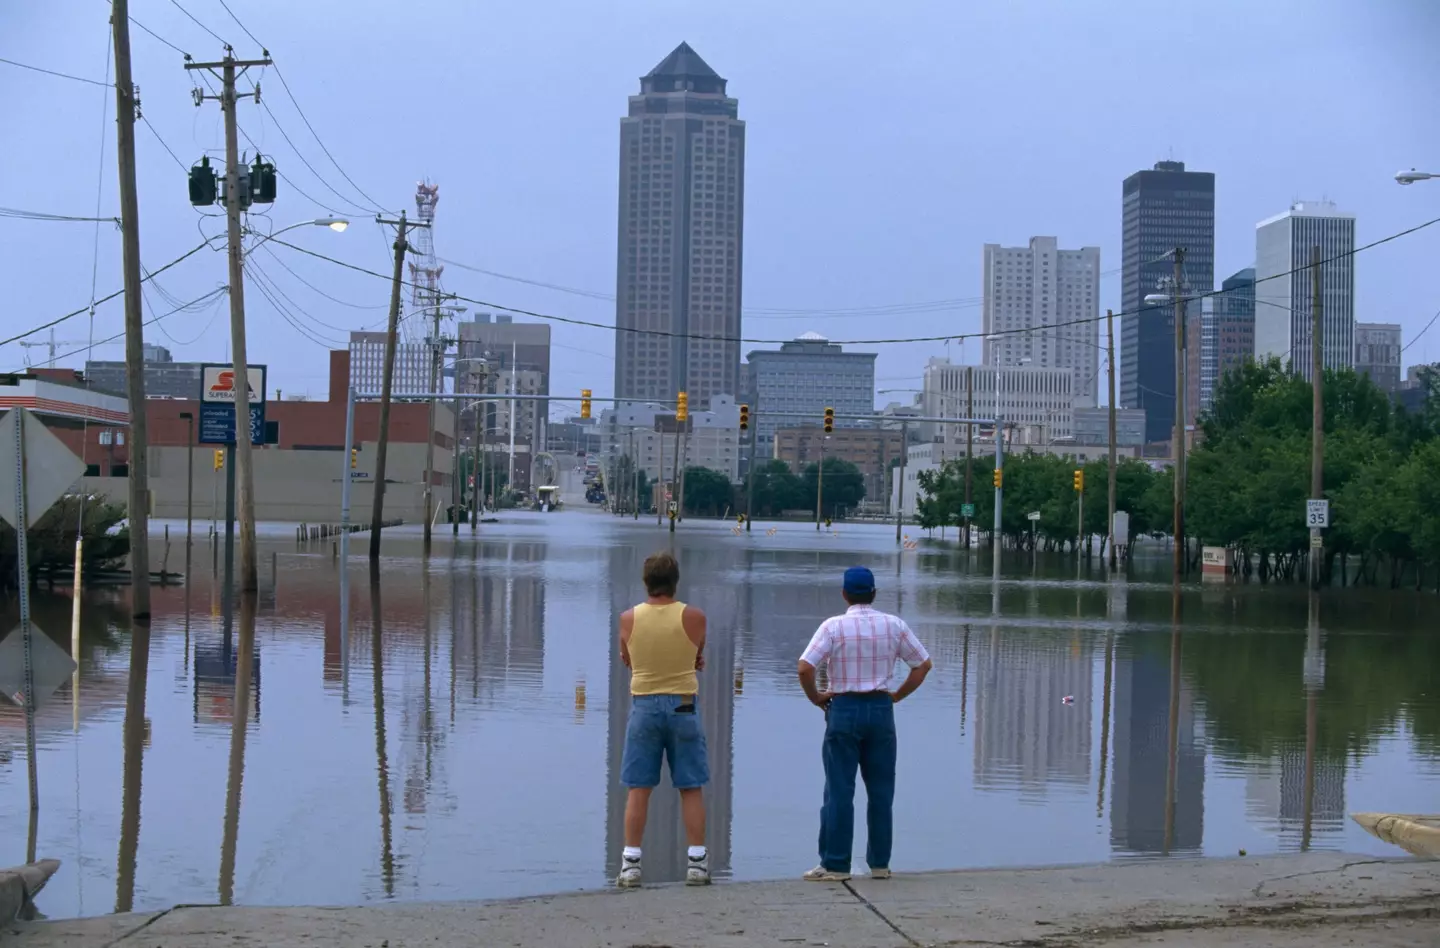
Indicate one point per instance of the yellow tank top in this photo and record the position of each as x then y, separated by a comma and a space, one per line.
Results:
662, 657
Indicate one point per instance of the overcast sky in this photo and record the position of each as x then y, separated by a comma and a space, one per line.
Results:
886, 144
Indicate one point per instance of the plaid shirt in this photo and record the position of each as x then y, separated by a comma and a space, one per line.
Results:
858, 650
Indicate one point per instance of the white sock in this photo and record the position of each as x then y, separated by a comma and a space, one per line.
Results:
632, 852
697, 852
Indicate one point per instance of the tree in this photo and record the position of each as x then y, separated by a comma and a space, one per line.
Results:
777, 489
844, 486
707, 492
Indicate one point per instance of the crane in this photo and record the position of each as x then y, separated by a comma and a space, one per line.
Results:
51, 344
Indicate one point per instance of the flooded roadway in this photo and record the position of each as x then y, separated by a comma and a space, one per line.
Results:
460, 739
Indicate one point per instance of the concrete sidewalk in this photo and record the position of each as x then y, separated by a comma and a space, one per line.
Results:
1310, 900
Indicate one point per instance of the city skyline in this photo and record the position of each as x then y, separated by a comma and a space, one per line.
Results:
803, 251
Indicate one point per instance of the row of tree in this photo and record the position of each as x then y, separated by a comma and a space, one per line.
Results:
1247, 482
709, 493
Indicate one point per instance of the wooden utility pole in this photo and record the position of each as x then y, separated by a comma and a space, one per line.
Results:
1317, 386
969, 440
387, 380
230, 69
1177, 295
1110, 488
138, 478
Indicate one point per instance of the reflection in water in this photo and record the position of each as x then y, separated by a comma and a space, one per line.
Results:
664, 842
1279, 717
382, 765
134, 744
246, 690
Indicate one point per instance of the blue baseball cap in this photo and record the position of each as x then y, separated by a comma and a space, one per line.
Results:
859, 581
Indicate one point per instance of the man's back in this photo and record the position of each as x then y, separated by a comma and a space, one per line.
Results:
859, 649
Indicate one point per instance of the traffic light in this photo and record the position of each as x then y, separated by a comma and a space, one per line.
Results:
584, 403
829, 420
204, 184
999, 478
1079, 480
219, 459
682, 407
354, 458
744, 417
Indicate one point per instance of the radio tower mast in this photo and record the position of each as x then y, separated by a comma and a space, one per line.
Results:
425, 270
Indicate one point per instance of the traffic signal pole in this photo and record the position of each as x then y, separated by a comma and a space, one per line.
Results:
998, 535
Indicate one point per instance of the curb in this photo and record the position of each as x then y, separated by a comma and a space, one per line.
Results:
19, 886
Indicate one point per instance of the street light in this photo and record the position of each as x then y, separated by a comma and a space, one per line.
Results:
337, 224
1411, 176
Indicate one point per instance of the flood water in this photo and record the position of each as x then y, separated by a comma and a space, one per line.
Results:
459, 737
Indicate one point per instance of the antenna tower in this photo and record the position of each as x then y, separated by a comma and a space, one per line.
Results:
425, 269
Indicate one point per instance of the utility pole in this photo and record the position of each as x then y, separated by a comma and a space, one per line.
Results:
244, 453
477, 486
750, 480
436, 345
675, 479
1110, 489
455, 492
189, 485
900, 490
969, 441
1177, 294
387, 381
1317, 385
997, 540
660, 478
138, 480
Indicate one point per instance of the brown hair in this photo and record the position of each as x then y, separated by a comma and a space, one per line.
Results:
661, 574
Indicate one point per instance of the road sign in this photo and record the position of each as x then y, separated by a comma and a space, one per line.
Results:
1120, 529
1317, 542
1033, 515
217, 403
1317, 514
50, 468
967, 510
52, 666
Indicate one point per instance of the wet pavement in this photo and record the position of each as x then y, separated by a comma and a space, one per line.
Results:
454, 732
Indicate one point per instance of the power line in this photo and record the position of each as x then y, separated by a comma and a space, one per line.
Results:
312, 286
1421, 332
104, 299
259, 282
202, 26
869, 342
158, 37
163, 144
216, 293
18, 214
283, 134
51, 72
279, 74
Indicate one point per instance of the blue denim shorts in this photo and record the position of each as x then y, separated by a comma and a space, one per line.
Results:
656, 729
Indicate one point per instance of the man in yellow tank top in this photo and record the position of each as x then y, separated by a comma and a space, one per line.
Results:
662, 642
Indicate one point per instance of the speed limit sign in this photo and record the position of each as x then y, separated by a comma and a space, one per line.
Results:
1317, 514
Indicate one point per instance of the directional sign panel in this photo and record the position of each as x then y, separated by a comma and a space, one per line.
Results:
967, 510
50, 467
51, 664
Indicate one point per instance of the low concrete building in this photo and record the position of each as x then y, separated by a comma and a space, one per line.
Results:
647, 432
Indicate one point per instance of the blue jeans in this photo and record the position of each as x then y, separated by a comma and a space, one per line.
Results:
859, 732
655, 730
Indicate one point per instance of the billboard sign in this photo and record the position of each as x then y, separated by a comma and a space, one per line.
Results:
217, 403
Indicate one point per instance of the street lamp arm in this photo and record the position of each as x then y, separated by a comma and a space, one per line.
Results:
337, 224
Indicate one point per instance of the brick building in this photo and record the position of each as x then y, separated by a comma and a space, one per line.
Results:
869, 449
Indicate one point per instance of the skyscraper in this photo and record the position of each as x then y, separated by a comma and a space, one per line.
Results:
1164, 208
682, 199
1229, 332
1049, 292
1283, 244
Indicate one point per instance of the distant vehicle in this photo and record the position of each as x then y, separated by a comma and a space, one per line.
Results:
547, 499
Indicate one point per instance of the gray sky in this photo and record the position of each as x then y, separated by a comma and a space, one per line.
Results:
886, 144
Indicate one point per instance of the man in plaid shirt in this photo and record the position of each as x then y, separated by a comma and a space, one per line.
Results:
858, 651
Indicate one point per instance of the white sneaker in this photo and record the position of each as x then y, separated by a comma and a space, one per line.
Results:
698, 870
879, 873
629, 873
821, 874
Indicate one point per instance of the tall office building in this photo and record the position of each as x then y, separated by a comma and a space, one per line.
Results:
1228, 335
682, 200
1377, 354
1164, 208
1283, 246
796, 383
1054, 295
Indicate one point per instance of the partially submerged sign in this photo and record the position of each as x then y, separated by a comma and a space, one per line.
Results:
52, 665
